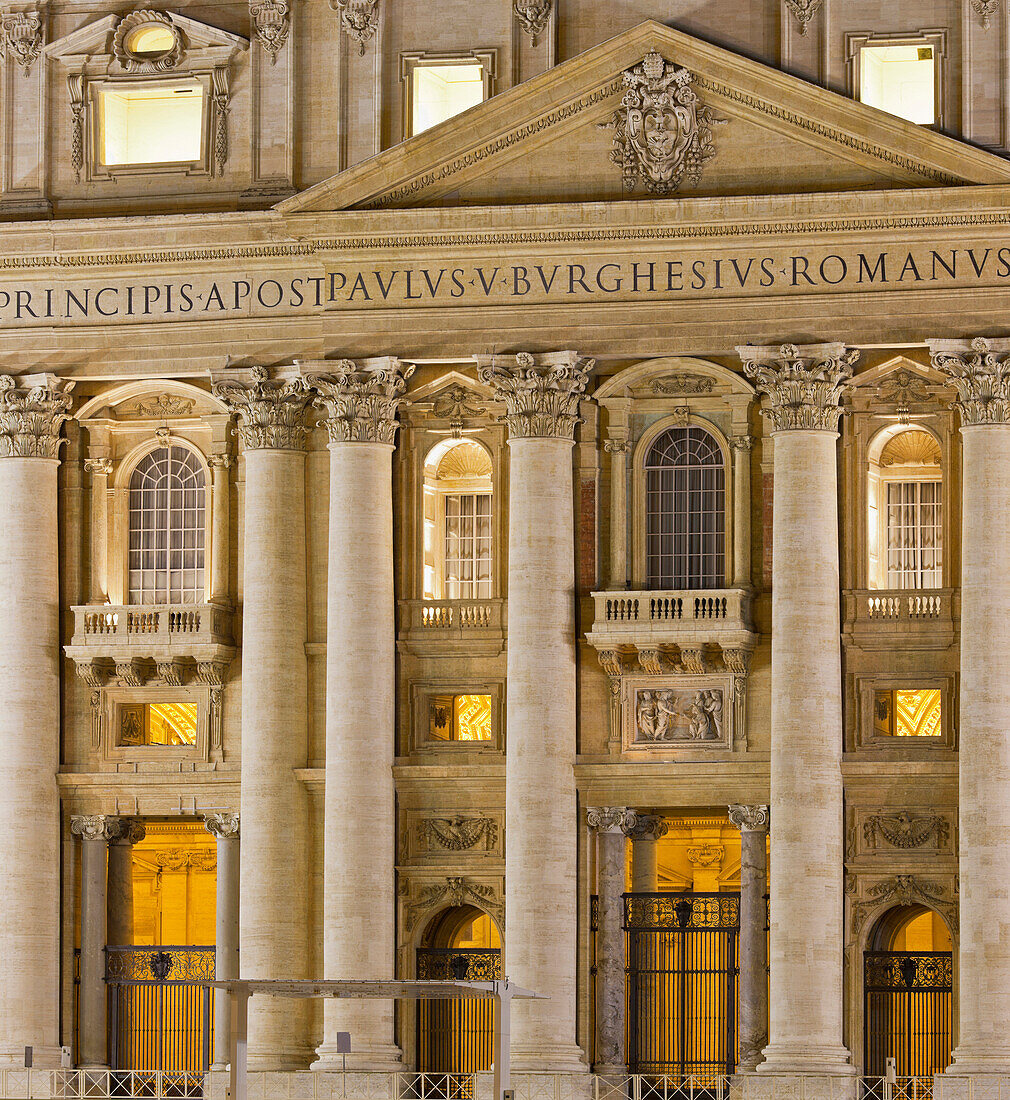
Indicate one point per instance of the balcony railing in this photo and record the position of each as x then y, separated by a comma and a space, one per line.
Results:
925, 617
436, 624
668, 617
192, 624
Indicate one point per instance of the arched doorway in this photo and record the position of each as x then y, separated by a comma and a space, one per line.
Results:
455, 1036
908, 983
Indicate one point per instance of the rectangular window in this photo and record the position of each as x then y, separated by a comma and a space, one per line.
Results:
157, 724
467, 546
157, 124
914, 538
908, 713
900, 79
442, 90
459, 718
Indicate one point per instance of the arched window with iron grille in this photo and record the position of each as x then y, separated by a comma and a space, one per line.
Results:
167, 528
685, 510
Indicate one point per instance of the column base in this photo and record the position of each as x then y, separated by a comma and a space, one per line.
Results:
988, 1060
783, 1060
560, 1058
380, 1058
279, 1061
604, 1070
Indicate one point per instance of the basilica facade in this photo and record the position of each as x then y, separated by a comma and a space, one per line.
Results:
515, 489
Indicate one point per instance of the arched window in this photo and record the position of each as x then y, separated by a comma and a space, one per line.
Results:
457, 522
167, 528
685, 510
905, 497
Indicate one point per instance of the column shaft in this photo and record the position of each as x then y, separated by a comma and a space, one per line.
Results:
220, 533
30, 735
618, 451
753, 954
644, 865
92, 996
100, 468
807, 899
225, 829
741, 511
123, 833
274, 857
360, 732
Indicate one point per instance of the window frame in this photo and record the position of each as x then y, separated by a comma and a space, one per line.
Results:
121, 544
421, 694
118, 697
855, 41
866, 688
412, 59
639, 532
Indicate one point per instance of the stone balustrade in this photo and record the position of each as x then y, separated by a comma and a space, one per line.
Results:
722, 615
925, 617
98, 627
432, 625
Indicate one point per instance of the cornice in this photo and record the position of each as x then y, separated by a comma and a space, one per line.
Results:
462, 239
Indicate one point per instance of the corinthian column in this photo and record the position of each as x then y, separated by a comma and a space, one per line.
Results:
752, 821
100, 469
802, 387
123, 833
274, 859
611, 826
645, 836
94, 831
541, 396
224, 828
359, 817
30, 422
980, 374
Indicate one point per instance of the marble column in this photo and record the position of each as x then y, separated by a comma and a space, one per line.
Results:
224, 827
92, 998
645, 834
742, 446
541, 396
618, 451
611, 825
979, 372
123, 833
360, 402
220, 528
752, 821
32, 411
99, 468
274, 902
802, 387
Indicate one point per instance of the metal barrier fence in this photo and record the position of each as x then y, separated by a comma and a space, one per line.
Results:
66, 1084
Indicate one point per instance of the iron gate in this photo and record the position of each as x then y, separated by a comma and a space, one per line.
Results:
160, 1018
907, 1011
682, 982
456, 1036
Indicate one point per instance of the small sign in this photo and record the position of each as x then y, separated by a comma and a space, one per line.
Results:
343, 1042
28, 1057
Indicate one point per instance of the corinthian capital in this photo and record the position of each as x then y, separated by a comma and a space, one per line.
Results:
361, 399
540, 392
979, 372
222, 826
31, 416
610, 819
648, 827
803, 384
124, 830
92, 826
271, 411
749, 819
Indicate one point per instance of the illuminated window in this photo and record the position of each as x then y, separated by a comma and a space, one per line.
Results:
459, 717
905, 500
158, 123
901, 713
167, 528
685, 511
157, 724
457, 522
900, 79
442, 90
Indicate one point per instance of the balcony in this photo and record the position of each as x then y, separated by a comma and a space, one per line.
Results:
648, 620
473, 627
140, 635
915, 618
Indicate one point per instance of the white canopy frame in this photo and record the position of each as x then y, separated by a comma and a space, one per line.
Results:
241, 989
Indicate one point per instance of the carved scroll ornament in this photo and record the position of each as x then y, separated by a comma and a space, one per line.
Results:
532, 16
23, 36
270, 18
804, 10
358, 18
30, 419
662, 130
985, 10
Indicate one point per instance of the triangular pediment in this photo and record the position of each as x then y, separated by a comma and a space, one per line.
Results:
550, 140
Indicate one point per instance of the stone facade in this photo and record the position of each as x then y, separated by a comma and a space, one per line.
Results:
316, 310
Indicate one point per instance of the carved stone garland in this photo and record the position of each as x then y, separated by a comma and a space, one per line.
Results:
222, 826
458, 834
905, 830
23, 37
803, 390
270, 18
662, 130
456, 891
532, 16
358, 18
804, 10
271, 412
985, 10
454, 404
541, 401
361, 404
982, 382
901, 890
